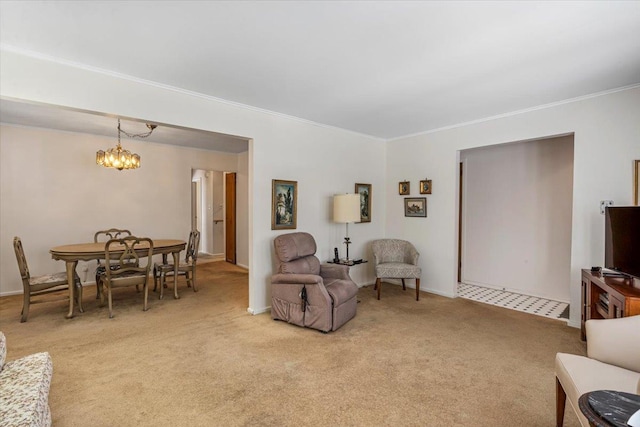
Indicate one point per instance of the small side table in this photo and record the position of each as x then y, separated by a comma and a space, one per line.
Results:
606, 408
349, 263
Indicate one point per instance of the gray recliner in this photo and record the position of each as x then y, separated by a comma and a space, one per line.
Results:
306, 293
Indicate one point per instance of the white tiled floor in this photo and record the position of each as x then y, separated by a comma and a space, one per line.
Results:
525, 303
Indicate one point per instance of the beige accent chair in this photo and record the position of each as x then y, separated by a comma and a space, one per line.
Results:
39, 285
125, 267
306, 293
186, 268
104, 236
612, 363
396, 259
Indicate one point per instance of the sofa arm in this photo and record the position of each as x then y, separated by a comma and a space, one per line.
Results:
615, 341
24, 391
296, 279
335, 271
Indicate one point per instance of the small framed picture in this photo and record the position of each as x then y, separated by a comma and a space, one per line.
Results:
364, 190
284, 201
415, 206
425, 186
404, 188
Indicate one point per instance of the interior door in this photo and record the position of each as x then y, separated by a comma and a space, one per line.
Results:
230, 217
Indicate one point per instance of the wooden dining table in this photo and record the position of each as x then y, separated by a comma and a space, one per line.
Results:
73, 253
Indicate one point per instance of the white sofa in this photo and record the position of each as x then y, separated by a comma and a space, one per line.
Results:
612, 363
24, 389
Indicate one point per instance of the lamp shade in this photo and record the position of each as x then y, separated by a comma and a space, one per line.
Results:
346, 208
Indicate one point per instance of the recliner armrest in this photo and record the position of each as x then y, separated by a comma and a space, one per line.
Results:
296, 279
335, 271
615, 341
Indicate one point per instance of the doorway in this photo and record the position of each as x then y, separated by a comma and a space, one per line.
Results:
210, 214
515, 216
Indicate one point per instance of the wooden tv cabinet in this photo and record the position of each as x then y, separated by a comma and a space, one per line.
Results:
608, 297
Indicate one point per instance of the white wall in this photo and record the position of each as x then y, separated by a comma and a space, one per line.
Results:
323, 160
243, 205
606, 140
52, 193
516, 216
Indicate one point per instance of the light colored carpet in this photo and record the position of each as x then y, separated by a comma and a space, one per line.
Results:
203, 360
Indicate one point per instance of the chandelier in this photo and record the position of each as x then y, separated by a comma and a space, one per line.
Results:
120, 158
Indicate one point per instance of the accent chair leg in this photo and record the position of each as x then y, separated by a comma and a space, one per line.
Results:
378, 286
25, 305
146, 295
418, 289
161, 279
110, 302
97, 287
193, 279
561, 399
155, 279
404, 288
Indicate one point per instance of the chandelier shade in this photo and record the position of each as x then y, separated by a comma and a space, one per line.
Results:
118, 157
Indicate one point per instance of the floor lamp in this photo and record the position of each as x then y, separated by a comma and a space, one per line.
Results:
346, 209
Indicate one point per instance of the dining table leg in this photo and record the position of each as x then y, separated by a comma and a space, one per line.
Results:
71, 269
176, 263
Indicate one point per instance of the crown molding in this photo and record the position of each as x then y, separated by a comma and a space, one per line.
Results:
78, 65
518, 112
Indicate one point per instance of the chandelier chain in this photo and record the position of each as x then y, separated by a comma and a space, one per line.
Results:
137, 135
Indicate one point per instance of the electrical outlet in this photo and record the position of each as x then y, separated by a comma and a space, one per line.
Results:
604, 204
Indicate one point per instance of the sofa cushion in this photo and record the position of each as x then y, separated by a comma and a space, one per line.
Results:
579, 374
24, 391
3, 349
390, 270
604, 338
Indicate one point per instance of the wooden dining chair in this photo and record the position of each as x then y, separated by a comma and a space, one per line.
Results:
186, 268
124, 256
103, 236
39, 285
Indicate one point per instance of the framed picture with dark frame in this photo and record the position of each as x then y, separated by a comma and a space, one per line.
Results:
415, 206
425, 186
636, 183
364, 190
404, 188
284, 204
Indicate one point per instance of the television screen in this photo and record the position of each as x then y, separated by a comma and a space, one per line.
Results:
622, 239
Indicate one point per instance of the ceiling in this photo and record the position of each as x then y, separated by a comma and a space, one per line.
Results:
386, 69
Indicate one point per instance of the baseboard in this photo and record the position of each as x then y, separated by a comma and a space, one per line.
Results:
260, 311
10, 293
244, 267
573, 324
398, 282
